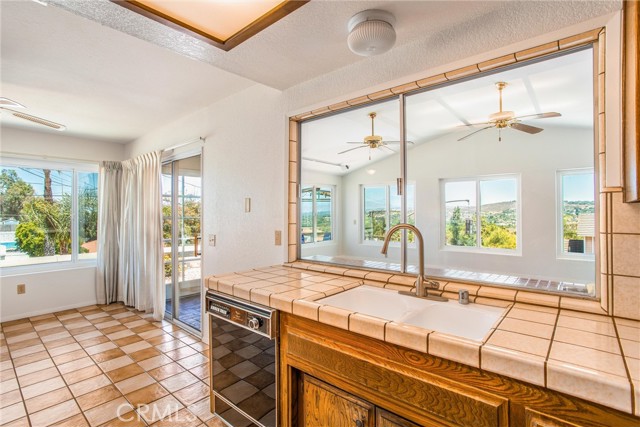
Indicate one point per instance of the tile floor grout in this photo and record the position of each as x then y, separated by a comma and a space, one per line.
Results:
149, 360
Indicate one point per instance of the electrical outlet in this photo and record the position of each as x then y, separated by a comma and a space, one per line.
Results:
22, 288
278, 238
212, 239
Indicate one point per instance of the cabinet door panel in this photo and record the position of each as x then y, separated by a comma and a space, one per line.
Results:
387, 419
326, 406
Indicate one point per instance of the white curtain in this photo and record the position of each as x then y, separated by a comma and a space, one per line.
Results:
141, 278
108, 232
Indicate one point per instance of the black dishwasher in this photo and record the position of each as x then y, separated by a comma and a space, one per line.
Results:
243, 349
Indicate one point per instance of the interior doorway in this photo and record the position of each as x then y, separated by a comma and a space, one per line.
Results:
181, 209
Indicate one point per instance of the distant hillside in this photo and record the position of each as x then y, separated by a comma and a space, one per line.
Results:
499, 207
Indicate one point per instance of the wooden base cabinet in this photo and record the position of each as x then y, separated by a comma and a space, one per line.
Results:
334, 378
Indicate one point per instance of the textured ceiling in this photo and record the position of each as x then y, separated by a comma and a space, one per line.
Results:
117, 76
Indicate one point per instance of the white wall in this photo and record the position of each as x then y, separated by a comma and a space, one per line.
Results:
243, 157
50, 289
535, 158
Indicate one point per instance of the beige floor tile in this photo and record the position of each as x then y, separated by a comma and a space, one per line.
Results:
170, 345
65, 349
192, 393
166, 371
100, 348
120, 334
37, 377
87, 335
160, 408
90, 342
154, 362
34, 367
42, 387
107, 411
202, 409
54, 414
75, 421
193, 361
146, 394
181, 353
125, 372
108, 355
47, 400
130, 419
10, 398
31, 358
116, 363
56, 337
98, 397
82, 374
132, 338
144, 354
39, 347
89, 385
182, 418
137, 346
59, 343
134, 383
12, 413
74, 365
178, 381
69, 357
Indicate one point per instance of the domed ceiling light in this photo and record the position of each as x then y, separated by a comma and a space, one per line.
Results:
371, 32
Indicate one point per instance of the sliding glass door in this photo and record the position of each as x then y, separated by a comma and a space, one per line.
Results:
181, 207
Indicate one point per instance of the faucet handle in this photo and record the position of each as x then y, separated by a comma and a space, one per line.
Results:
463, 296
432, 284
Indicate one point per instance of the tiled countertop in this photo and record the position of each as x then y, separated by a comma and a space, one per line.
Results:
551, 341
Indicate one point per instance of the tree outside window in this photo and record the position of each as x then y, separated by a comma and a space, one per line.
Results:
481, 212
47, 214
382, 210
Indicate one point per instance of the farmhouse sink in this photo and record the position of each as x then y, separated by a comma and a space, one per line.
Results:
471, 321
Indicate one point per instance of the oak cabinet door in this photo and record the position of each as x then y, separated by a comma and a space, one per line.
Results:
326, 406
387, 419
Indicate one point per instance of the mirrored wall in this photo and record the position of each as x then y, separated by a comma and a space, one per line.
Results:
497, 173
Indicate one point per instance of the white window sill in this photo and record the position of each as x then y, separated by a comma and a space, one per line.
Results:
46, 267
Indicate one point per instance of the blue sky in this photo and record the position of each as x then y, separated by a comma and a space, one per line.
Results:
61, 181
578, 187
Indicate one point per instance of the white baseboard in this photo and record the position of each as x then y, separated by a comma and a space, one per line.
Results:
46, 311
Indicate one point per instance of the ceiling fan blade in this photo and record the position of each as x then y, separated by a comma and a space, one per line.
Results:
384, 146
396, 142
474, 124
351, 149
539, 116
35, 119
355, 142
474, 132
526, 128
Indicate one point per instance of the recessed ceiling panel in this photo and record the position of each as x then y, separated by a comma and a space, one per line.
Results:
223, 23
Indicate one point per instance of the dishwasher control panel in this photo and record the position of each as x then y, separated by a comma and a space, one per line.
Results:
251, 316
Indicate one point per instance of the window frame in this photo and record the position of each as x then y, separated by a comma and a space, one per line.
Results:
388, 188
314, 213
75, 167
478, 248
560, 253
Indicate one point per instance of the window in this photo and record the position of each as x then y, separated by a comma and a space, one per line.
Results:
382, 210
48, 212
316, 214
481, 213
576, 209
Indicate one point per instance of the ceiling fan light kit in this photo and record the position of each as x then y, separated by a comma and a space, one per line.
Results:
508, 119
371, 32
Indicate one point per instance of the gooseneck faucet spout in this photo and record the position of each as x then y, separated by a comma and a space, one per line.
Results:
421, 289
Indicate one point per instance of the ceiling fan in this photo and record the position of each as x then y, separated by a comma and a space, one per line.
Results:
508, 119
372, 141
7, 104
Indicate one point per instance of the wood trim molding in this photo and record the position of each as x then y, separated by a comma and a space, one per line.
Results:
271, 17
631, 101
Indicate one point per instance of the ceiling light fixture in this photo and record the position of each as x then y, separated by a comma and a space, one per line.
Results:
371, 32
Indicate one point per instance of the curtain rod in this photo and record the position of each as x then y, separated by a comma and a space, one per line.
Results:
182, 144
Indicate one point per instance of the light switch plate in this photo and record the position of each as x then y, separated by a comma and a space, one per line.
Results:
278, 238
22, 288
212, 239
